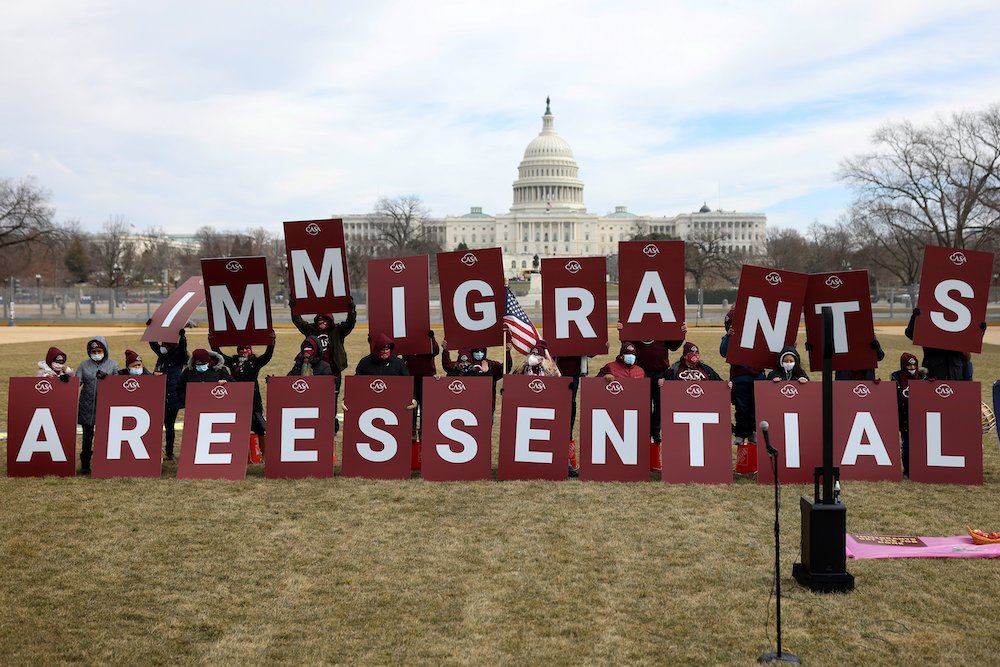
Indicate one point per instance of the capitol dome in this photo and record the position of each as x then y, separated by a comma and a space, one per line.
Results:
548, 174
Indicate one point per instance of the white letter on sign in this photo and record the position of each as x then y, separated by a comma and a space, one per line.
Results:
254, 302
290, 433
756, 317
41, 437
651, 298
524, 434
367, 426
934, 456
331, 272
133, 436
399, 312
696, 433
446, 425
203, 455
963, 318
792, 440
626, 444
839, 309
564, 315
486, 309
864, 429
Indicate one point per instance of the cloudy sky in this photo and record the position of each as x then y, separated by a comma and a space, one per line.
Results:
237, 114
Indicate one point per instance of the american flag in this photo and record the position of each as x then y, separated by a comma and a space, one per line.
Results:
523, 334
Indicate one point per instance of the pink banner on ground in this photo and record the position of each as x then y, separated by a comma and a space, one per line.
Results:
911, 546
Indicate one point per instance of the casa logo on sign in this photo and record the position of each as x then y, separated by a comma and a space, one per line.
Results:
536, 386
219, 391
789, 391
615, 387
773, 278
43, 387
312, 229
574, 266
456, 387
958, 258
695, 391
651, 250
862, 391
397, 267
130, 385
834, 282
300, 386
469, 259
378, 386
944, 391
234, 266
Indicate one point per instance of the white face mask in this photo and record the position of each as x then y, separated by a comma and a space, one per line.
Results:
788, 366
135, 371
534, 360
98, 357
201, 368
911, 371
628, 359
478, 356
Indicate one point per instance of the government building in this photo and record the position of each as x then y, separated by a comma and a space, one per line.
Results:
548, 218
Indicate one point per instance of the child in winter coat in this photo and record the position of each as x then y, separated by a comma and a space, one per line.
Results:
133, 364
54, 365
309, 360
789, 367
97, 366
205, 366
908, 370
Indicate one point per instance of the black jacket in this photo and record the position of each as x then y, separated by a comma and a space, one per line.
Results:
171, 364
372, 365
331, 340
214, 373
940, 364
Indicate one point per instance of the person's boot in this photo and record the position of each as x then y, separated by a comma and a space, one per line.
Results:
84, 464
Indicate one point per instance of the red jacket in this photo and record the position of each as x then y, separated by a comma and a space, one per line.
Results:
620, 369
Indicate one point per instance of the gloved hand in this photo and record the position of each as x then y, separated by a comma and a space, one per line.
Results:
808, 346
982, 325
101, 375
149, 321
64, 378
874, 344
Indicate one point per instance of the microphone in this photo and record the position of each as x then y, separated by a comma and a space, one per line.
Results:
771, 451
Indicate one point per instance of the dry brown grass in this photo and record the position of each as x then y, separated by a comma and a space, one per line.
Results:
365, 572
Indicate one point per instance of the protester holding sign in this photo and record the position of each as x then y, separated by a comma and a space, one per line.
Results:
473, 362
309, 360
421, 366
690, 367
941, 364
171, 360
573, 367
331, 336
789, 367
624, 365
538, 362
54, 365
205, 366
133, 364
246, 367
653, 357
863, 373
92, 370
741, 394
908, 371
381, 361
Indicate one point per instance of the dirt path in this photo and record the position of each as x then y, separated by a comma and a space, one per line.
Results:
26, 334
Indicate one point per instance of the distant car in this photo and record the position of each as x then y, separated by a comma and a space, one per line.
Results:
86, 299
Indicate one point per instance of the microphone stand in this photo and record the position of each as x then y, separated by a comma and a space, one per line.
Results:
769, 657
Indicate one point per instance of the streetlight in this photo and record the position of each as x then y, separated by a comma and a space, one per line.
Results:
38, 291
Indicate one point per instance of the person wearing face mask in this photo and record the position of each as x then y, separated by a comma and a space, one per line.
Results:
624, 366
691, 368
54, 365
941, 364
741, 395
331, 336
133, 364
908, 371
97, 366
171, 360
538, 362
474, 362
789, 367
309, 360
381, 361
205, 366
246, 367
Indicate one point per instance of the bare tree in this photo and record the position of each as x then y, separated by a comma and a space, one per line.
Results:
25, 213
939, 183
401, 223
114, 251
708, 257
888, 247
158, 256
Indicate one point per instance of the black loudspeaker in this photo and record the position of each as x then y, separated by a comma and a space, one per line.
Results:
824, 558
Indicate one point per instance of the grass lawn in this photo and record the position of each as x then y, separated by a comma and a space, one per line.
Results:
364, 572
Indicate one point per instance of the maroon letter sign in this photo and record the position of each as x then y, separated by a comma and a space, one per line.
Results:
795, 414
651, 289
697, 444
614, 430
846, 294
216, 437
377, 427
472, 297
457, 436
946, 438
300, 415
317, 266
128, 430
174, 313
239, 308
399, 302
534, 428
866, 431
575, 306
954, 289
768, 306
41, 427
